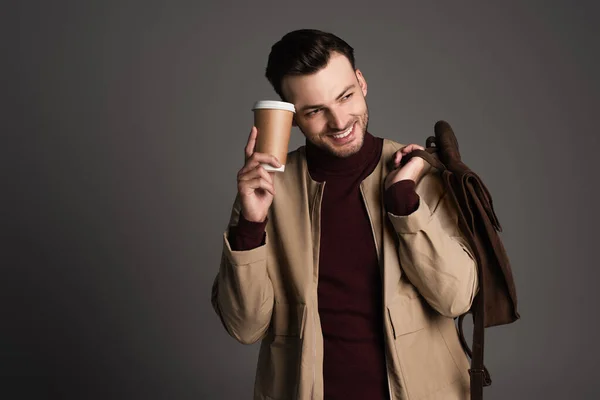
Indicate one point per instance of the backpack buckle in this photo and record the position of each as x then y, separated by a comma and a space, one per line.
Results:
483, 374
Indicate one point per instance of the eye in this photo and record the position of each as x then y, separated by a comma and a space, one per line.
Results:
346, 97
313, 112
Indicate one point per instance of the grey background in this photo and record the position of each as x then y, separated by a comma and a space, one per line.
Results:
123, 129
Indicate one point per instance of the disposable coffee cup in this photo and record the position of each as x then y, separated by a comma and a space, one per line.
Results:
273, 121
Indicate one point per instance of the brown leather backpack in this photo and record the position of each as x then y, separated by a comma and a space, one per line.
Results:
496, 301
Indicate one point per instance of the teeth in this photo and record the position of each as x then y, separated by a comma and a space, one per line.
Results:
343, 135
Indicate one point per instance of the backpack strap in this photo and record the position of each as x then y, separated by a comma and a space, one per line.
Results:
479, 374
428, 155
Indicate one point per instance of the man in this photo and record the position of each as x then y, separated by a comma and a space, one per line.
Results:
349, 266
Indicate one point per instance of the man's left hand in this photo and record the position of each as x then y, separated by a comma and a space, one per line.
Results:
414, 170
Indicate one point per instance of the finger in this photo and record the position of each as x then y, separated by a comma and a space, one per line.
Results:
260, 158
410, 148
258, 172
267, 159
249, 175
397, 158
269, 177
251, 143
259, 183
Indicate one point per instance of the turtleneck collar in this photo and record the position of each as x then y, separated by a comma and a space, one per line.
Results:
323, 164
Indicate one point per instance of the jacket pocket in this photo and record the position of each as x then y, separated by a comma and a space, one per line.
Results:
426, 363
280, 352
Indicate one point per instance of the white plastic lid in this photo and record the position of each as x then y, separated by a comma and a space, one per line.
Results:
273, 104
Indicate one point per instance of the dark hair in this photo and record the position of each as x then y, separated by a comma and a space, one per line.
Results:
304, 51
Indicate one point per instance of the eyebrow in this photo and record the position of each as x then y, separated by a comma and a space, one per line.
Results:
305, 108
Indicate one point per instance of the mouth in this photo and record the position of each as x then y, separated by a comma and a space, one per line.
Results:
344, 137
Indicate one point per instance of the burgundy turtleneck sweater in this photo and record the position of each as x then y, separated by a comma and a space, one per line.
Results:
349, 288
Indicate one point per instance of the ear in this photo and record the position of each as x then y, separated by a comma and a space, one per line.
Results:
361, 81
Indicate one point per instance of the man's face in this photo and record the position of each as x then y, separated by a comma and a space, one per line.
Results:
331, 110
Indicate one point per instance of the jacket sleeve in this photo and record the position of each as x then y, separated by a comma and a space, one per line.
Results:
242, 292
433, 253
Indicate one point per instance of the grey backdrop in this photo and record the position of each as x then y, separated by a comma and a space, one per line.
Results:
123, 129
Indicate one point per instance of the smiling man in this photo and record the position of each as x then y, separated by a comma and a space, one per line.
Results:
332, 111
349, 267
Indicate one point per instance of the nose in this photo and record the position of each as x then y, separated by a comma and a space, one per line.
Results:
336, 120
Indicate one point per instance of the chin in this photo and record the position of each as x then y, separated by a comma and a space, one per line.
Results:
352, 149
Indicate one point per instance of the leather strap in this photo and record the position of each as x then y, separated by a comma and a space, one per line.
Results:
427, 155
479, 374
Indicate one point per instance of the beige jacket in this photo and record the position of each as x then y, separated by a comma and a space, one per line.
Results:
429, 277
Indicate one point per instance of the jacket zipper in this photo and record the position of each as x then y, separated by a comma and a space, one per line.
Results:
318, 197
312, 392
382, 283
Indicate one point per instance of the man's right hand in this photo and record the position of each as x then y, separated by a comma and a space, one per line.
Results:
255, 185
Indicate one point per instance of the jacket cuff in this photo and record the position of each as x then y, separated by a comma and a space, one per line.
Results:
401, 198
413, 223
247, 235
247, 257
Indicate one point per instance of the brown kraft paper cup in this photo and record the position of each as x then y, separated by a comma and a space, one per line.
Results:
273, 121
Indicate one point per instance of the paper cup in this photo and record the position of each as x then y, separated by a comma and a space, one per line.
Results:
273, 120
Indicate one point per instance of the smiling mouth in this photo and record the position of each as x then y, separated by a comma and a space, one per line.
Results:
344, 134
